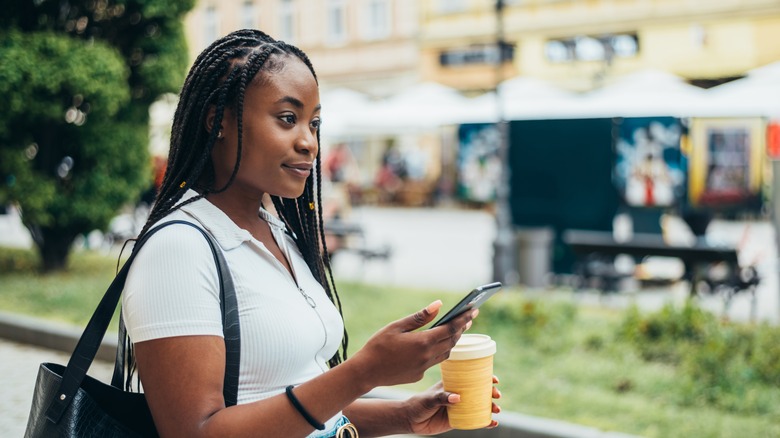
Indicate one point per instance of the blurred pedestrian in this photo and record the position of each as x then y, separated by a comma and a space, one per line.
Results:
338, 168
337, 163
390, 177
247, 130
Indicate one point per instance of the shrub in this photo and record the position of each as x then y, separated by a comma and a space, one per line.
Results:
530, 320
664, 335
719, 363
18, 260
594, 342
764, 357
725, 365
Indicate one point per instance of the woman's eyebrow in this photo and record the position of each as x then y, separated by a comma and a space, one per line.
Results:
296, 102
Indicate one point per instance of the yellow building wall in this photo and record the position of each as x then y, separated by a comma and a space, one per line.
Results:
767, 31
229, 17
472, 79
380, 67
701, 50
697, 39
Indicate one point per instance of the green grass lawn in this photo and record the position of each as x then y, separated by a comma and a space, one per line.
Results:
69, 296
554, 360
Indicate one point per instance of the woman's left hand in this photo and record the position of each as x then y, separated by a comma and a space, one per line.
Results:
427, 411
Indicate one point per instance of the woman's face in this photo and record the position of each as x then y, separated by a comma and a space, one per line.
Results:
280, 123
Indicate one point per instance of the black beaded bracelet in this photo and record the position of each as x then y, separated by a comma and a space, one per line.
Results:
301, 410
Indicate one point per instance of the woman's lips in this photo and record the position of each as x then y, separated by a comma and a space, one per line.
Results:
299, 169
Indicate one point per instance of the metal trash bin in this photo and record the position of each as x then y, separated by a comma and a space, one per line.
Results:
534, 254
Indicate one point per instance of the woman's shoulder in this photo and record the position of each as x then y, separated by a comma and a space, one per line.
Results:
183, 239
172, 287
176, 255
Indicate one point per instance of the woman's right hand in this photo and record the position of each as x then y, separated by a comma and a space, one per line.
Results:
398, 353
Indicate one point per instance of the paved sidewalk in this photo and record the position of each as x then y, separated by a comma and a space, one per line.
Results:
18, 369
451, 250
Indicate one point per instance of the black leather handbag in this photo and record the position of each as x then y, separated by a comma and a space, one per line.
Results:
69, 403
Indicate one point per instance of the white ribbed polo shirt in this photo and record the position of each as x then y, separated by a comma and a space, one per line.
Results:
172, 290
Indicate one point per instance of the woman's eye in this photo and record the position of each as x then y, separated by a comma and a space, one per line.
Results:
315, 124
289, 119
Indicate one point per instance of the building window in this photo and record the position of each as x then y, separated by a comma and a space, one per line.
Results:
336, 22
247, 18
211, 26
476, 54
559, 51
592, 48
286, 20
450, 6
378, 19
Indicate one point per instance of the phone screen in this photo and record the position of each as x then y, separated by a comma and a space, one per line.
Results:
473, 300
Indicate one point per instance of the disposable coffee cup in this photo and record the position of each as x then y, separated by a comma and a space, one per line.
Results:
469, 372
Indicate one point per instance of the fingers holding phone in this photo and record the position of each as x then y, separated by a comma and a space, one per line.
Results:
400, 353
454, 326
472, 300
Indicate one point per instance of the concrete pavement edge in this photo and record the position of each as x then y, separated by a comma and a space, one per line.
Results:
49, 334
513, 424
63, 337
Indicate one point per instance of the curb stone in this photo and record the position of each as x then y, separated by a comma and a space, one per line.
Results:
515, 425
63, 337
50, 334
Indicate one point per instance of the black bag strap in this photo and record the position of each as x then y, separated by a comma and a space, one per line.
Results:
123, 347
90, 340
230, 328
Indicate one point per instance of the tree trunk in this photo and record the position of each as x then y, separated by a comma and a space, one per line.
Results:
54, 248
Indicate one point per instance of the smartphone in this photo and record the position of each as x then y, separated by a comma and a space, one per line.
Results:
473, 300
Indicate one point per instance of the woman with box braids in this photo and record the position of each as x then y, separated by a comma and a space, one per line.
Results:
241, 56
246, 130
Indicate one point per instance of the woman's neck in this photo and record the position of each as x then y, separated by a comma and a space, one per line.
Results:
243, 210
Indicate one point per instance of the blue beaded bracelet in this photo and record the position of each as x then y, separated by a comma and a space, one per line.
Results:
301, 410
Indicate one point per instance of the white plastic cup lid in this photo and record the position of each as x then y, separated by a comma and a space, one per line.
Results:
473, 346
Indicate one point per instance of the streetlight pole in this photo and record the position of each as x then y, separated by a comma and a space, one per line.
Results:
504, 266
775, 201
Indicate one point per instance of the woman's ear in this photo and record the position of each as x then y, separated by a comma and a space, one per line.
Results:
210, 118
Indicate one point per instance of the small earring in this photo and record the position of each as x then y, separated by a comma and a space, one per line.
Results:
219, 134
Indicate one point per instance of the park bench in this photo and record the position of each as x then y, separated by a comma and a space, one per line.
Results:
350, 238
707, 268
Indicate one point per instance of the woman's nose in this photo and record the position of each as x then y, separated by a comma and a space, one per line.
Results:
307, 142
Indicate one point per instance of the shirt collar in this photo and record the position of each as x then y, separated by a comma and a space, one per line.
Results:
215, 221
272, 220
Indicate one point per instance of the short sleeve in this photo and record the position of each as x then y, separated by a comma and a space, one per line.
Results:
172, 288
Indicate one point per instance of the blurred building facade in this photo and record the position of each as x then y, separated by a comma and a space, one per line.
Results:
382, 46
582, 44
369, 46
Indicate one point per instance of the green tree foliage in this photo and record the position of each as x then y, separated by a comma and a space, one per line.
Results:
78, 77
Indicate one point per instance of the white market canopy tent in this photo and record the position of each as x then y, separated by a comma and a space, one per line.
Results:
424, 106
646, 93
429, 105
528, 98
757, 94
523, 98
421, 107
339, 107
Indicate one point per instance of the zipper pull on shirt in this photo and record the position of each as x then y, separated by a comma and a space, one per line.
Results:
308, 298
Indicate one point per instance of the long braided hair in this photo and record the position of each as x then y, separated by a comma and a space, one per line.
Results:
219, 77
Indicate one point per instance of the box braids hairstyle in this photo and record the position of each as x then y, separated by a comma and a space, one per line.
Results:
219, 77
